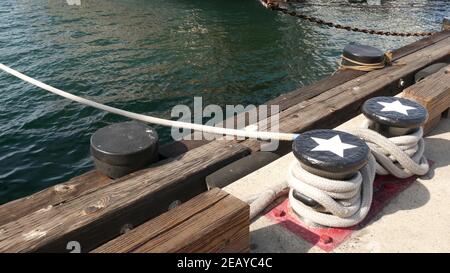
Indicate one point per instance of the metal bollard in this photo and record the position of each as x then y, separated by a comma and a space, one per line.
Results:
123, 148
392, 116
329, 154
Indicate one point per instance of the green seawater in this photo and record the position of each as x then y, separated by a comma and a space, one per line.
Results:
147, 56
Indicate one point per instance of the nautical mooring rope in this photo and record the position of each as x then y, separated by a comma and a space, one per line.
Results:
401, 156
276, 7
345, 202
367, 67
150, 119
260, 201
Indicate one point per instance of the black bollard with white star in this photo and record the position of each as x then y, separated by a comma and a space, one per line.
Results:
329, 153
394, 116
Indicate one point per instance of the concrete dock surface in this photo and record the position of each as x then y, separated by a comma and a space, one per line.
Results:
417, 220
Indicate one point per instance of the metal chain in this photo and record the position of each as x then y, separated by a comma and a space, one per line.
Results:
276, 7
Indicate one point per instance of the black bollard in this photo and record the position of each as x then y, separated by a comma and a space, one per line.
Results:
357, 55
123, 148
392, 116
331, 154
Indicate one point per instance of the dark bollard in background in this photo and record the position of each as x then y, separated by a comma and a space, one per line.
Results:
123, 148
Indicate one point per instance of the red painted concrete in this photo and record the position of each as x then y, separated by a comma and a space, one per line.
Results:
385, 189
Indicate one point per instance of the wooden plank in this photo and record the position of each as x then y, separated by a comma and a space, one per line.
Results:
210, 222
52, 196
99, 216
434, 94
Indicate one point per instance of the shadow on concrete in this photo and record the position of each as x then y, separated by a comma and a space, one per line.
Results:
417, 195
437, 150
277, 239
413, 197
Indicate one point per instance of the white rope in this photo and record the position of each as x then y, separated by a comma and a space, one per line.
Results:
150, 119
401, 156
342, 200
345, 202
262, 200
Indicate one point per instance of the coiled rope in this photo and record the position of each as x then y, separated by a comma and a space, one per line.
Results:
345, 202
401, 156
367, 67
276, 7
150, 119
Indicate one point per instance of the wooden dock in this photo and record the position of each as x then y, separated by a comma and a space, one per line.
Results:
131, 214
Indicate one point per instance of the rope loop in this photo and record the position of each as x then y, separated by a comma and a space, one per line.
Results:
355, 65
401, 156
344, 202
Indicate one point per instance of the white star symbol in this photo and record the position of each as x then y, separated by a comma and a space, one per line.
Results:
334, 145
395, 106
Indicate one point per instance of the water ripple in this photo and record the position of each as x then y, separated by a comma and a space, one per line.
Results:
148, 56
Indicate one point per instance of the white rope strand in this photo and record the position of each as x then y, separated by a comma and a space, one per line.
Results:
401, 156
346, 202
150, 119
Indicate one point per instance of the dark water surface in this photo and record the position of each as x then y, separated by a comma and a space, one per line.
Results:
147, 56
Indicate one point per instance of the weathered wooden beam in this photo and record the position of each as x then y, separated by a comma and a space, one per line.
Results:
210, 222
52, 196
433, 93
97, 217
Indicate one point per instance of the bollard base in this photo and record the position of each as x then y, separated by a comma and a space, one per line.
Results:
327, 238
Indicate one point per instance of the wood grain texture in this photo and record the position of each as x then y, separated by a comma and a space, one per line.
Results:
99, 216
210, 222
53, 196
433, 92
